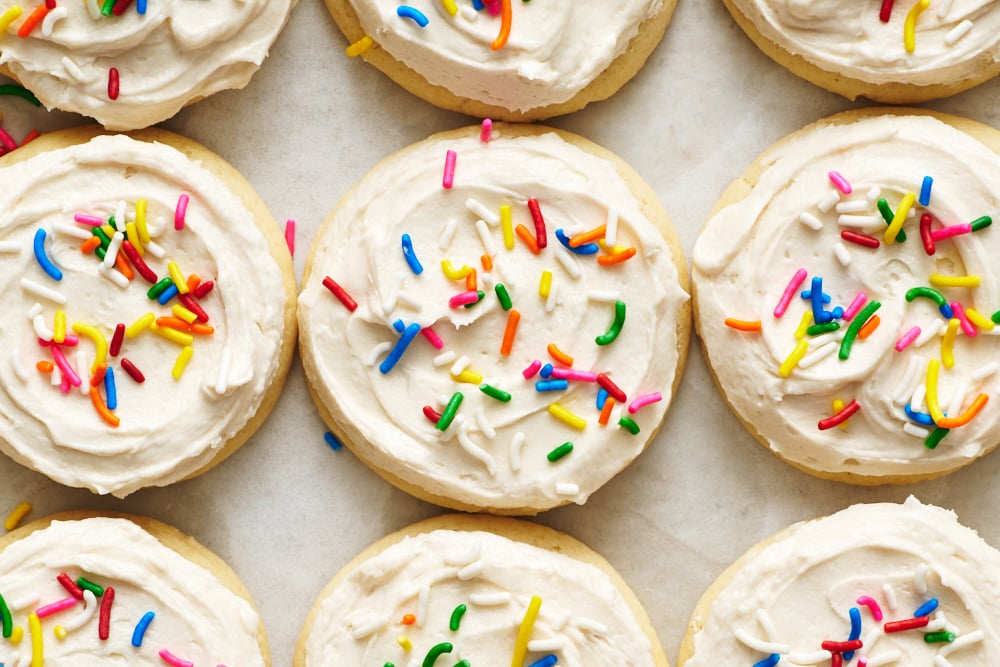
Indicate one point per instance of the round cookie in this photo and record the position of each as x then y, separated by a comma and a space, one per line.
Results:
915, 383
136, 67
186, 395
848, 49
907, 581
463, 586
403, 253
136, 569
558, 58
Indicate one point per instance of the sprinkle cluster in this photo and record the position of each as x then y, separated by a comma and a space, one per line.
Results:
910, 24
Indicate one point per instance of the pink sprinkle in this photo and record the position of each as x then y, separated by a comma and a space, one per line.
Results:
69, 341
901, 344
571, 374
967, 326
789, 293
840, 182
872, 606
7, 140
69, 375
180, 212
449, 169
290, 236
486, 133
56, 607
64, 387
951, 230
862, 661
859, 302
532, 369
643, 401
464, 298
493, 6
90, 220
172, 659
432, 336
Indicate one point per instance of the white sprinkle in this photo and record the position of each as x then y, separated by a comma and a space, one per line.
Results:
484, 425
758, 644
920, 579
942, 8
813, 658
871, 637
370, 625
810, 221
569, 263
377, 352
958, 32
561, 620
611, 229
609, 296
114, 276
465, 557
157, 227
498, 267
447, 234
83, 370
154, 249
546, 645
491, 217
422, 600
41, 291
444, 358
885, 658
475, 451
550, 302
840, 252
460, 365
916, 431
818, 354
964, 640
853, 206
15, 361
41, 329
111, 254
468, 13
828, 202
472, 570
860, 221
941, 661
409, 301
984, 372
94, 9
958, 398
34, 311
766, 624
71, 68
902, 390
919, 394
928, 332
873, 194
55, 377
487, 281
567, 489
222, 379
890, 596
11, 246
389, 303
74, 231
515, 451
50, 20
489, 245
590, 625
935, 625
489, 599
89, 607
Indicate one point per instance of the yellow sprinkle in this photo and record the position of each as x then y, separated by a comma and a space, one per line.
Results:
173, 335
360, 46
838, 405
933, 406
468, 377
910, 26
954, 281
524, 632
789, 364
804, 323
183, 313
564, 415
60, 632
897, 220
133, 237
545, 284
9, 17
37, 648
100, 342
16, 635
611, 249
984, 323
140, 223
14, 518
451, 273
450, 7
948, 343
109, 230
405, 642
507, 226
182, 359
140, 325
177, 277
59, 327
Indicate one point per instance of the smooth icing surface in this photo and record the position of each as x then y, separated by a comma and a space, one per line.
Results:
750, 250
798, 591
175, 53
850, 38
196, 617
554, 49
169, 428
494, 453
583, 619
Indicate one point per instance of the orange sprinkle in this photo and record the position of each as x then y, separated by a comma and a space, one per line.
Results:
45, 366
409, 619
193, 281
559, 355
102, 409
178, 324
123, 266
98, 377
34, 18
470, 281
588, 237
609, 404
90, 244
506, 15
966, 416
870, 326
487, 262
743, 325
508, 335
529, 239
618, 257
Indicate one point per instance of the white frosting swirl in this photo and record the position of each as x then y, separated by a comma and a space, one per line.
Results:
751, 249
554, 50
478, 461
177, 52
170, 428
797, 591
583, 619
197, 618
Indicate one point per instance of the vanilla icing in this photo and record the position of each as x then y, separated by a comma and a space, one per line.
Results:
169, 428
177, 52
751, 249
797, 591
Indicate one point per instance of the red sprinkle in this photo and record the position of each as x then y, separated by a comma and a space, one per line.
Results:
541, 238
188, 302
614, 391
840, 418
907, 624
113, 83
51, 4
842, 647
203, 288
34, 134
70, 585
290, 236
133, 372
925, 234
138, 262
836, 660
433, 415
116, 340
860, 239
340, 293
104, 621
120, 7
886, 12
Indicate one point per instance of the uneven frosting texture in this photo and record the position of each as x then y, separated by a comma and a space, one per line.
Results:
175, 53
554, 49
583, 619
751, 249
806, 581
477, 460
169, 427
850, 38
196, 617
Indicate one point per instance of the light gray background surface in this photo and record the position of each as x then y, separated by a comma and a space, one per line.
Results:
287, 512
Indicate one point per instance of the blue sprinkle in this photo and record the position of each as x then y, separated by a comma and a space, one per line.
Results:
407, 12
397, 352
946, 312
477, 5
807, 295
331, 440
925, 191
140, 6
547, 661
921, 418
399, 326
769, 661
820, 316
602, 398
43, 259
585, 249
109, 388
167, 295
140, 627
546, 371
927, 608
410, 256
855, 631
552, 385
838, 313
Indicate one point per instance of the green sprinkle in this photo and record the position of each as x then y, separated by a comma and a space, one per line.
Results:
928, 292
616, 326
888, 215
86, 585
935, 438
159, 288
388, 664
479, 298
629, 425
20, 91
493, 392
5, 616
99, 233
559, 452
981, 223
939, 637
463, 662
996, 317
501, 291
449, 411
108, 6
436, 650
856, 324
818, 329
456, 617
100, 252
111, 221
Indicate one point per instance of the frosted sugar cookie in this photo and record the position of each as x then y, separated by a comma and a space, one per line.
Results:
496, 324
80, 587
877, 584
150, 309
475, 590
847, 296
506, 59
